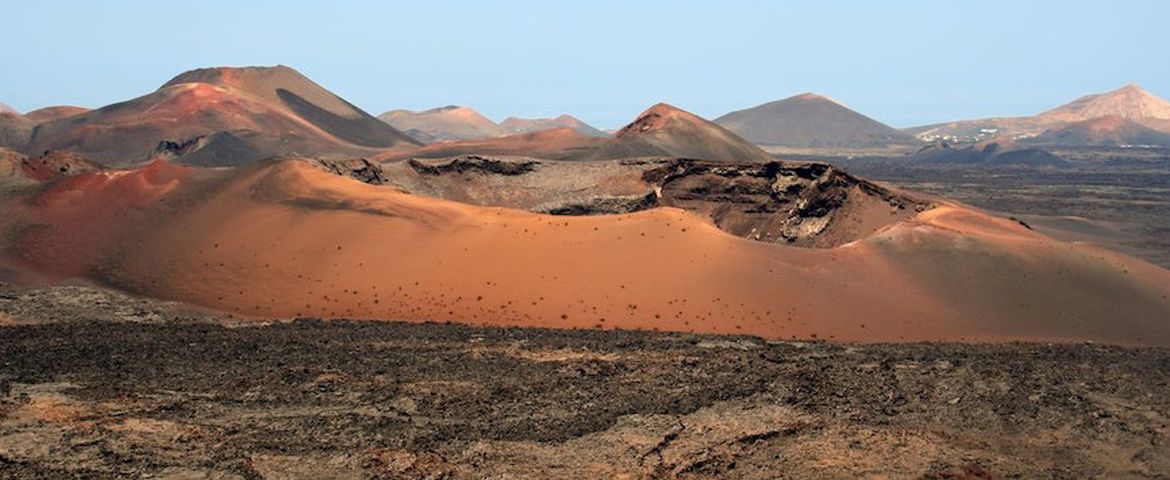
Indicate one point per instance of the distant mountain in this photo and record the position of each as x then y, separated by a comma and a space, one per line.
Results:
810, 120
660, 131
443, 124
1130, 102
514, 125
272, 110
48, 114
1111, 130
989, 153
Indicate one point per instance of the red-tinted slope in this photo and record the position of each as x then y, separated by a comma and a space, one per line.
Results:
289, 239
273, 110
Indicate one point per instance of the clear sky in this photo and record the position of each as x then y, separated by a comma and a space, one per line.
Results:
904, 63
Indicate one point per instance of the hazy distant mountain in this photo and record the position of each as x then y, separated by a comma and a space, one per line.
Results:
271, 110
514, 125
810, 120
1130, 102
660, 131
443, 124
57, 112
1111, 130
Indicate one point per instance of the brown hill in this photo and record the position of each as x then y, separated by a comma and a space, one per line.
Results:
810, 120
48, 114
1108, 130
443, 124
660, 131
264, 240
274, 110
514, 125
4, 108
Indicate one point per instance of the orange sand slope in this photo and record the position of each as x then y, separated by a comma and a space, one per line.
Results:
287, 239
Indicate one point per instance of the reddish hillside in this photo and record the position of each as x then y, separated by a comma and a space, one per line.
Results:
265, 241
273, 110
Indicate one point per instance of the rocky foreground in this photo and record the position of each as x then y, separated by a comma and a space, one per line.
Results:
95, 384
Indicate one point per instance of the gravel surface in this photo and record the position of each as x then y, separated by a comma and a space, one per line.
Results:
94, 384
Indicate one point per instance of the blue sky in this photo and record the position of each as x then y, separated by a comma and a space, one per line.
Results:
904, 63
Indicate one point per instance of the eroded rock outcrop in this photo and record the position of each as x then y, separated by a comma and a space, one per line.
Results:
804, 204
55, 164
359, 169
